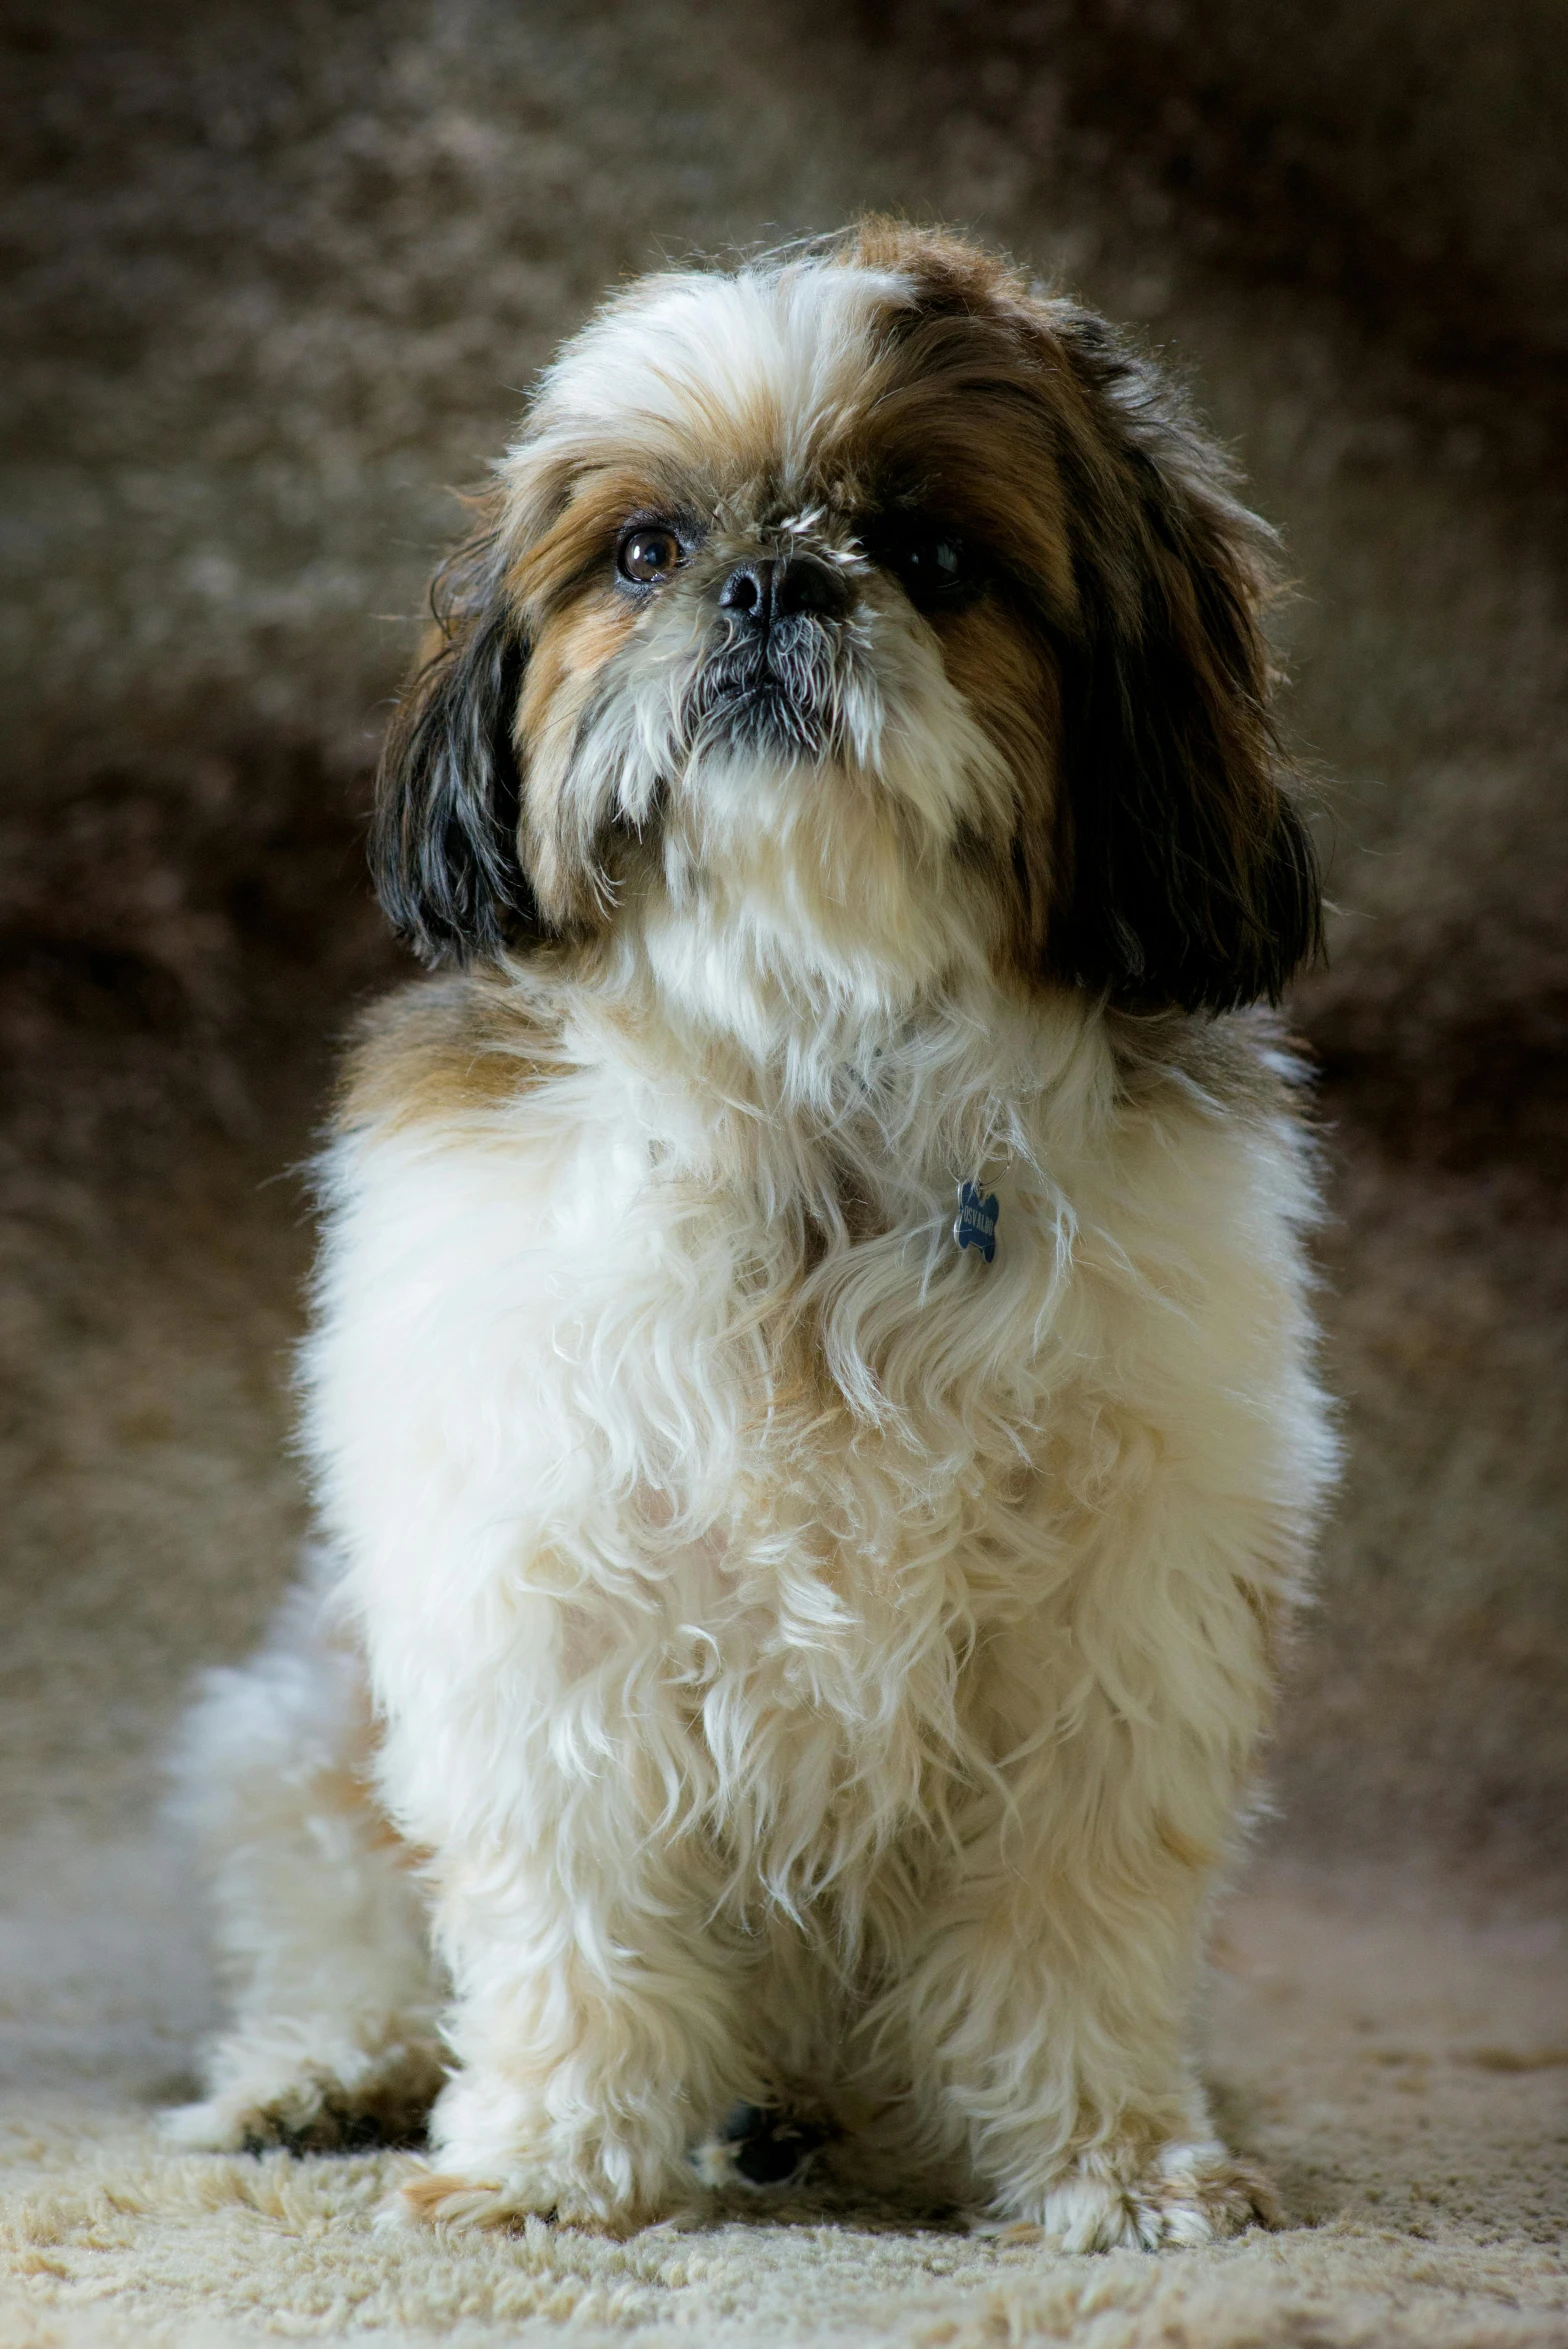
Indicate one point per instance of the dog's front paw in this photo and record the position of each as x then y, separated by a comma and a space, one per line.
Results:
500, 2157
444, 2197
439, 2197
1188, 2194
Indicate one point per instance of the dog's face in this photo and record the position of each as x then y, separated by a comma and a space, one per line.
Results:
871, 610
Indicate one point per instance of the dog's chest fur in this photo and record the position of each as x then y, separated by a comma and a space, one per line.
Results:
637, 1405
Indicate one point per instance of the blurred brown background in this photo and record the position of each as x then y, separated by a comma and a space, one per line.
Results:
277, 274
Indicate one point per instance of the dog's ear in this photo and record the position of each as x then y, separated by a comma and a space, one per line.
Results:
444, 836
1186, 874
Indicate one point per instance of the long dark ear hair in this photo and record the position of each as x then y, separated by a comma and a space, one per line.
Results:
444, 836
1186, 873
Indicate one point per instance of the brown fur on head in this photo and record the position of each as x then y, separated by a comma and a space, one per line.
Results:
1012, 658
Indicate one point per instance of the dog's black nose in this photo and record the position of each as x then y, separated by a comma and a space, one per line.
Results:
776, 587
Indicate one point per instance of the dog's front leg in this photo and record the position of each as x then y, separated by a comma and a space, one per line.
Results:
599, 2018
1046, 2019
1047, 2001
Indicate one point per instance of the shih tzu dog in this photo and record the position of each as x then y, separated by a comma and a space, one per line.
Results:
811, 1392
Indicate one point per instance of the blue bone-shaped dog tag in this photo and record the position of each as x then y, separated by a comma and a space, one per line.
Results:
974, 1226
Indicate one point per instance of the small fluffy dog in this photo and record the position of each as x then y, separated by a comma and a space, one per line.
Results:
811, 1393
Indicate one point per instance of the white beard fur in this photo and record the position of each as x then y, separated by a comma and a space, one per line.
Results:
811, 1664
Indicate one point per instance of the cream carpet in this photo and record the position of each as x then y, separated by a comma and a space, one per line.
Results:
1397, 2060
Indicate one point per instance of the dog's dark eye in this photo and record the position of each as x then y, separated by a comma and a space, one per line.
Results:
647, 553
935, 565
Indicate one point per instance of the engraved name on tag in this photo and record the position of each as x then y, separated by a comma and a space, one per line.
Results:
974, 1226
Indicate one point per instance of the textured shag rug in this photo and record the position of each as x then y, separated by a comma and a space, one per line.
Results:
1397, 2060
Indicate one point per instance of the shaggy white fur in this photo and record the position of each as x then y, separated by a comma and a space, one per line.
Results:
808, 1665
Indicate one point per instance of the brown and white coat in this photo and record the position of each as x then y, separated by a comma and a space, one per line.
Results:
811, 1664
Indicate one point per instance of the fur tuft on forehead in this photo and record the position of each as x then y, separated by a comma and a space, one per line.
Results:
715, 376
959, 608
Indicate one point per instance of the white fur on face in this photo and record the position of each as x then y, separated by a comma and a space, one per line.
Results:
824, 862
679, 359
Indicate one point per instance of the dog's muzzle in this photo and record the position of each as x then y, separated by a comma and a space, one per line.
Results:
768, 684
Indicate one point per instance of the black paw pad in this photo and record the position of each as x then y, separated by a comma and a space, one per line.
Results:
770, 2148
